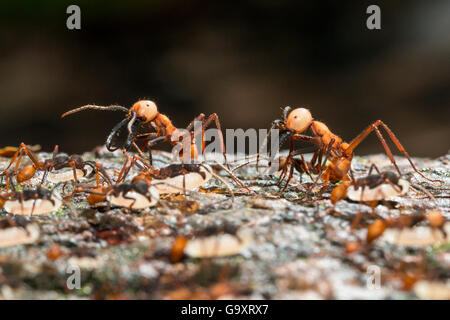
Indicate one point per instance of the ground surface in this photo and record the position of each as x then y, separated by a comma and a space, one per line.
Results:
298, 247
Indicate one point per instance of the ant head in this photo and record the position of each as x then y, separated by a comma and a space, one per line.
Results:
299, 120
145, 109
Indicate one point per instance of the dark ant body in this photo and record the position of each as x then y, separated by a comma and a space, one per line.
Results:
375, 180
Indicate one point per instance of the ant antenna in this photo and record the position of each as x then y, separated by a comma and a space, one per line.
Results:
95, 107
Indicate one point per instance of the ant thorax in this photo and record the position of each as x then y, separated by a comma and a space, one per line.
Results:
178, 177
133, 196
377, 187
33, 202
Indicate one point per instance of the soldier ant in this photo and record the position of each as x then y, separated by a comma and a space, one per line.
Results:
57, 162
331, 147
144, 113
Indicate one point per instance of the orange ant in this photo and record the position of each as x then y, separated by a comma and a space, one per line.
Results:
145, 112
331, 147
57, 162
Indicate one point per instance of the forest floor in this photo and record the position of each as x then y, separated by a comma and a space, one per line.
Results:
298, 244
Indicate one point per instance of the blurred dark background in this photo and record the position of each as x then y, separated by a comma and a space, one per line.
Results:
243, 60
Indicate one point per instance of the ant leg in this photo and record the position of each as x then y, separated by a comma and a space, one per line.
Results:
301, 137
290, 156
125, 168
200, 117
19, 159
44, 177
34, 204
150, 144
64, 187
32, 156
143, 165
283, 171
104, 174
130, 207
304, 166
263, 145
74, 169
138, 150
215, 117
17, 154
21, 200
322, 165
225, 184
55, 152
356, 221
147, 137
235, 179
10, 183
374, 127
291, 173
374, 167
195, 133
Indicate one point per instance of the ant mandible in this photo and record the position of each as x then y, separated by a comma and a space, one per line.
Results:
295, 122
145, 112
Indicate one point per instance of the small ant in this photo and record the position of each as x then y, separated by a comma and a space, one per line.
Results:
173, 178
57, 162
370, 188
434, 218
135, 195
145, 112
340, 154
29, 202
